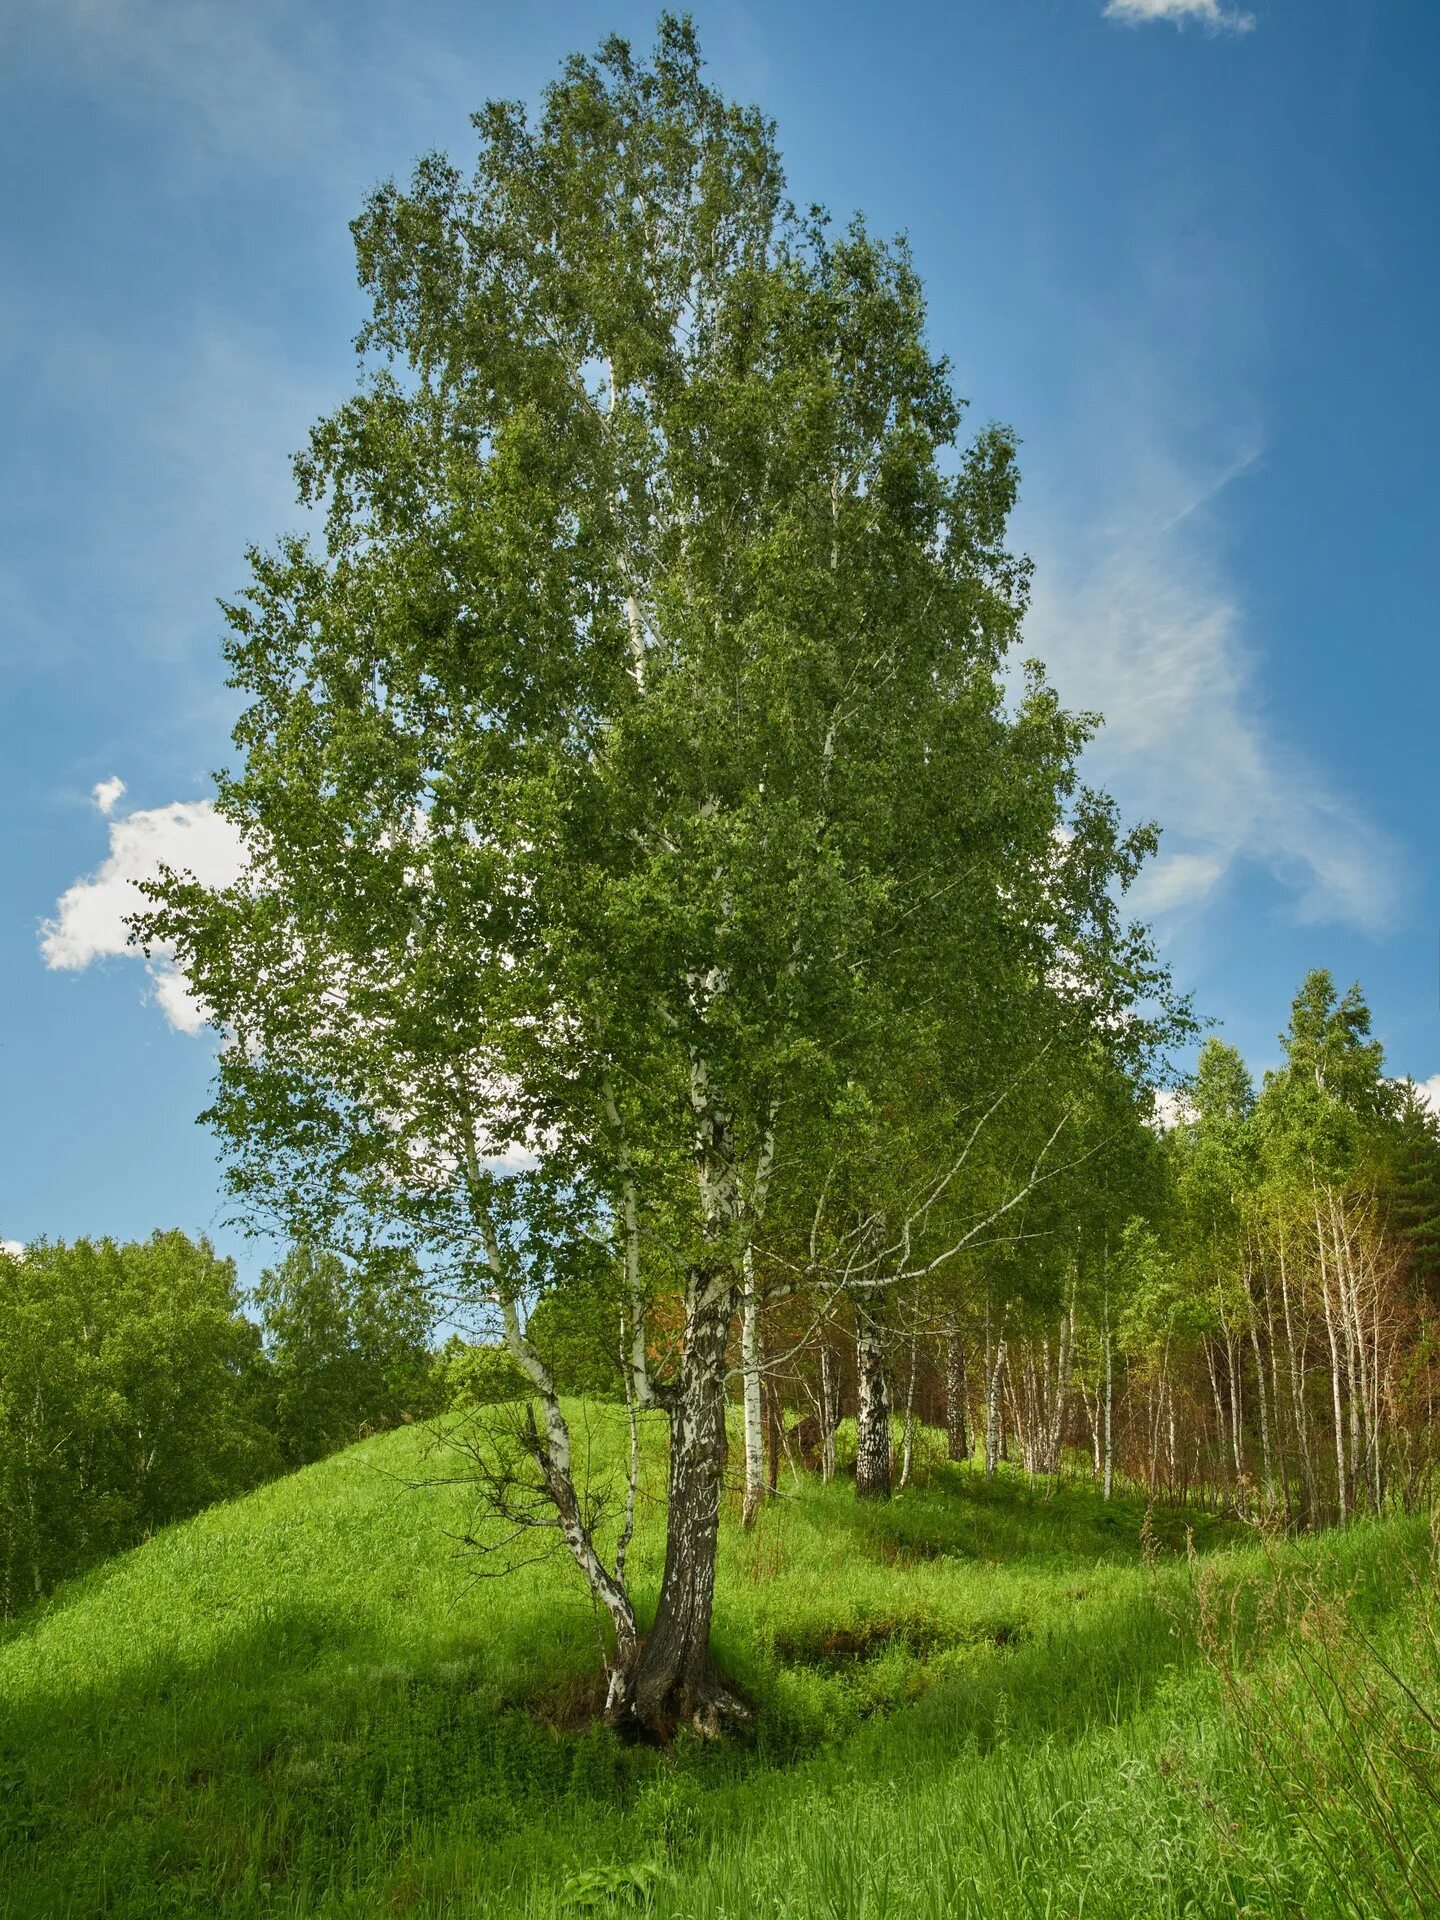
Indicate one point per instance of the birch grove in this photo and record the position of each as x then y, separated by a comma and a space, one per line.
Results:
1244, 1313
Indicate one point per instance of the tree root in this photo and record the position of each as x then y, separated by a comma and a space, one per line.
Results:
707, 1708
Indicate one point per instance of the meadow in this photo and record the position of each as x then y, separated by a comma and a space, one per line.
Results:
982, 1699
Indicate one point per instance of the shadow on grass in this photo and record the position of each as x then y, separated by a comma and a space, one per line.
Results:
291, 1754
296, 1755
961, 1515
309, 1757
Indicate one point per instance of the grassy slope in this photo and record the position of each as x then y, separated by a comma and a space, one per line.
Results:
976, 1701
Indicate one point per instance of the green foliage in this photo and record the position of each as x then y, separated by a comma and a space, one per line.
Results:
604, 1889
1159, 1303
1219, 1167
475, 1374
130, 1395
347, 1346
134, 1389
645, 831
635, 741
1215, 1166
576, 1333
1408, 1175
1320, 1111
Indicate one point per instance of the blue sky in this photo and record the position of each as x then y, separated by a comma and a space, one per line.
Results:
1188, 251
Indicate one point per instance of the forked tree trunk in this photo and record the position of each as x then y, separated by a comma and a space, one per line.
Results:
872, 1440
1336, 1390
752, 1358
1356, 1369
1064, 1364
1237, 1410
1295, 1359
1222, 1434
671, 1681
1267, 1463
1160, 1390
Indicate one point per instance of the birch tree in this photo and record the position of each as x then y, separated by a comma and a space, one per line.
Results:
627, 763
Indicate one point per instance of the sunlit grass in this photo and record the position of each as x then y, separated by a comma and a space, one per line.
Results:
983, 1699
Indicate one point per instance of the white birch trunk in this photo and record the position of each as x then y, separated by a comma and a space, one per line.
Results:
907, 1449
992, 1407
750, 1366
1336, 1388
872, 1439
1296, 1367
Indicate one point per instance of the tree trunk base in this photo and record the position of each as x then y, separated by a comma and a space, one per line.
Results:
655, 1707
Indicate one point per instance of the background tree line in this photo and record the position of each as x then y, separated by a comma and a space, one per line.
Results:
1237, 1309
135, 1388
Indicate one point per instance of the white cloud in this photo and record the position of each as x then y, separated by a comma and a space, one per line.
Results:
90, 916
14, 1248
1206, 13
175, 1000
1429, 1092
191, 837
106, 792
1175, 880
1171, 1109
1136, 618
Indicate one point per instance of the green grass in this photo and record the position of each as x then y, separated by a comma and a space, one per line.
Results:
977, 1701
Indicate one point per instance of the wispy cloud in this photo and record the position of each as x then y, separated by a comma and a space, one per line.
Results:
172, 490
1141, 611
90, 917
1136, 617
243, 83
1206, 13
269, 87
264, 109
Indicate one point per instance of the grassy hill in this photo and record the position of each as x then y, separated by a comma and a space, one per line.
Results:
977, 1701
